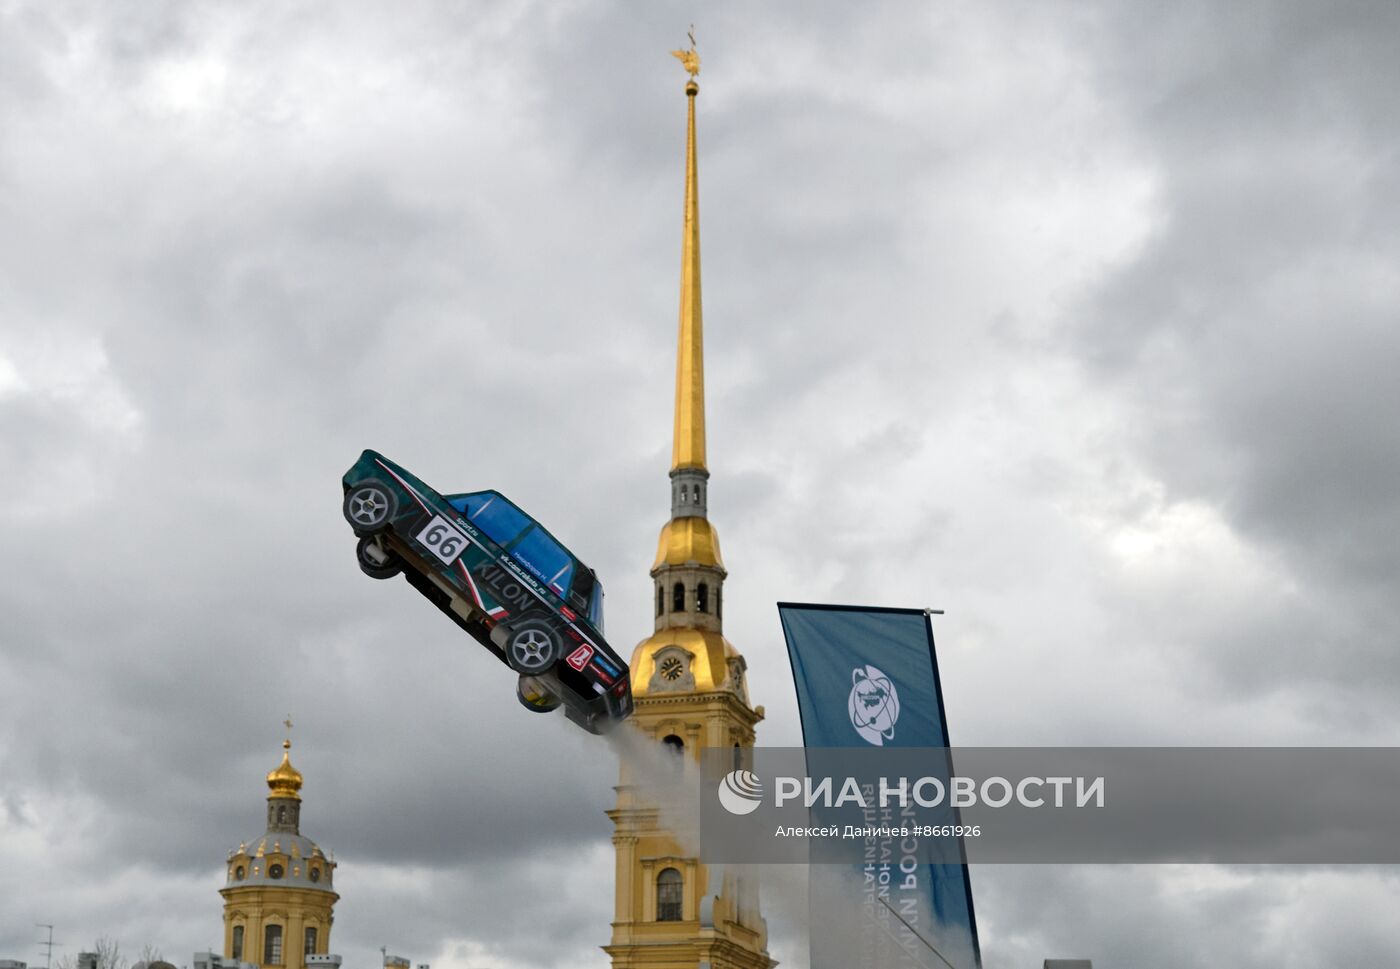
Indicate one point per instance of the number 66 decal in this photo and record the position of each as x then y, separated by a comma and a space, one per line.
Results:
443, 540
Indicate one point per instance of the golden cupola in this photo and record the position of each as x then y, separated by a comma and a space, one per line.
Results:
285, 780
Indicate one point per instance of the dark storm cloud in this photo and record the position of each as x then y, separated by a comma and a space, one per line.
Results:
1255, 332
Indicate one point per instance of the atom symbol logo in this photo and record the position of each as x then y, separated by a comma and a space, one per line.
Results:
873, 705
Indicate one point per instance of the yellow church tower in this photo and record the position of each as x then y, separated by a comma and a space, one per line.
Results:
688, 684
280, 889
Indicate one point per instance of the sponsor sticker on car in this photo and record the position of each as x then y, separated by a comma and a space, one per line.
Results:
578, 659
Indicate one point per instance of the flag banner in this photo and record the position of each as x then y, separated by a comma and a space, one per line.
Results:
868, 677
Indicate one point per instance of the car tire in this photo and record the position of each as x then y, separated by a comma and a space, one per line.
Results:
369, 507
532, 647
534, 697
366, 551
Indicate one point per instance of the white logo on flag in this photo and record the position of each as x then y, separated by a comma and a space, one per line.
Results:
873, 705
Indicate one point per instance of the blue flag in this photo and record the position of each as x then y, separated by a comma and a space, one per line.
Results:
869, 677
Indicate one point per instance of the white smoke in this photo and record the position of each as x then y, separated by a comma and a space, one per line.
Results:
662, 778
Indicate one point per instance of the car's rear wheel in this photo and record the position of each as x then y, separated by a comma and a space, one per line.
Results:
534, 697
532, 647
369, 507
375, 560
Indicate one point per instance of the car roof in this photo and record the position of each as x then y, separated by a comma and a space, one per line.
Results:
496, 494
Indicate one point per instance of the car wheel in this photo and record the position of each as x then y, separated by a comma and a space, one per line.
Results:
534, 697
369, 507
532, 647
376, 561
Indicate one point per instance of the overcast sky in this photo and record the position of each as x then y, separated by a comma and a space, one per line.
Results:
1078, 321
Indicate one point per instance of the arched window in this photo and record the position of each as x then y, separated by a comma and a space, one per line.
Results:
719, 602
281, 815
272, 945
660, 599
668, 895
695, 490
236, 953
673, 743
702, 598
310, 948
678, 598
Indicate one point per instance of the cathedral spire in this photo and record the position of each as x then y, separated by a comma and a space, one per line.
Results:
688, 449
673, 911
688, 681
688, 571
688, 537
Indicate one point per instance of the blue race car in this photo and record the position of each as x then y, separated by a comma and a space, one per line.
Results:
498, 574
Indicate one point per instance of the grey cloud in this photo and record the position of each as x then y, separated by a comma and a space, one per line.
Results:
1250, 335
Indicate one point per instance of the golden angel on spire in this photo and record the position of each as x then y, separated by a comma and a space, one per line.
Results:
689, 59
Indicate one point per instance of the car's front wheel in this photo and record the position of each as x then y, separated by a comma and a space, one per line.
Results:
369, 507
534, 697
532, 647
376, 561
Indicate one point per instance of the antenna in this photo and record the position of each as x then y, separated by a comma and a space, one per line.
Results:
47, 944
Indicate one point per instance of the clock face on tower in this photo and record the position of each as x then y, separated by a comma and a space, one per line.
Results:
673, 672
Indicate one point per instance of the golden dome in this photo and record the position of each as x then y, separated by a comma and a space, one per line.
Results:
285, 781
709, 665
688, 541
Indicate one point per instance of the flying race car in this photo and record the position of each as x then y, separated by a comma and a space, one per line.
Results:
502, 577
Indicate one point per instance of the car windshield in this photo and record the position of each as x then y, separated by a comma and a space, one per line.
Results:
493, 514
595, 606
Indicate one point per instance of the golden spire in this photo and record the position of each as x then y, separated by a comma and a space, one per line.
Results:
286, 780
688, 450
688, 571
